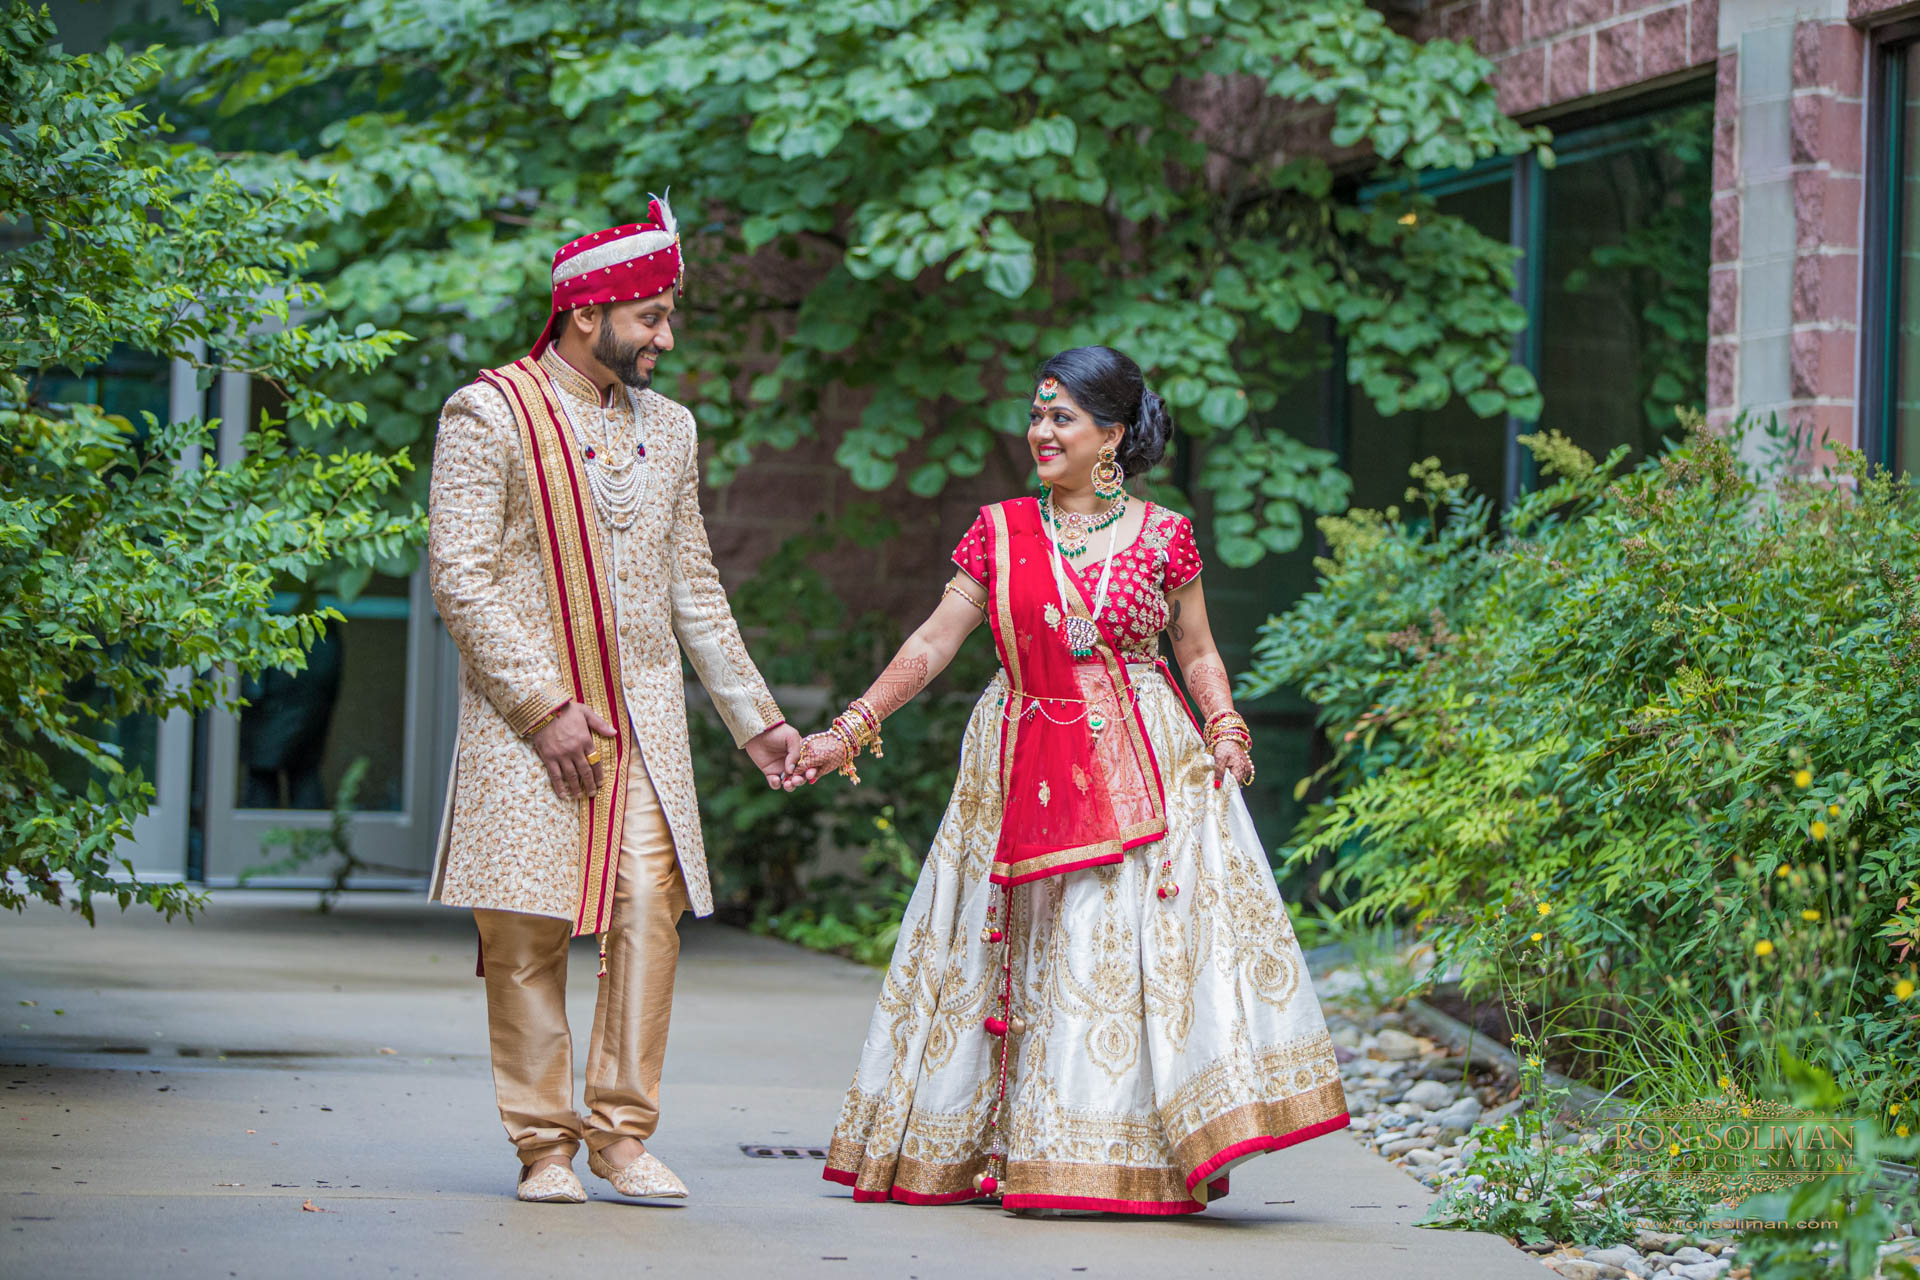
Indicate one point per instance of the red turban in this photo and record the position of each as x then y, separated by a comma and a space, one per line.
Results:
638, 260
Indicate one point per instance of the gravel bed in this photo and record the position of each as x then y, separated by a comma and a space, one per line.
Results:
1412, 1101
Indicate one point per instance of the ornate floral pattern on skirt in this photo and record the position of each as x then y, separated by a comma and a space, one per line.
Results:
1167, 1038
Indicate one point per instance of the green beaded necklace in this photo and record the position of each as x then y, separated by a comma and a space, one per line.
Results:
1075, 531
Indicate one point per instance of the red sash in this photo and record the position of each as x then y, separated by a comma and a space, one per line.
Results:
1074, 796
580, 604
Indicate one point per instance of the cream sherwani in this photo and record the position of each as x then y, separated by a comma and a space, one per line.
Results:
507, 841
509, 846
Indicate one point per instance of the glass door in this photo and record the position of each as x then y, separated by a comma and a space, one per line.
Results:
360, 728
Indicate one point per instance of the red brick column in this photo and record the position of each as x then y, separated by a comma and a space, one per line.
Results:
1828, 121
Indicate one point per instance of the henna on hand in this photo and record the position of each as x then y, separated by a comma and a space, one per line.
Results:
904, 677
820, 754
822, 751
1231, 757
1211, 689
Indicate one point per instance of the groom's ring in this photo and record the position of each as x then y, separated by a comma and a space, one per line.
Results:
593, 756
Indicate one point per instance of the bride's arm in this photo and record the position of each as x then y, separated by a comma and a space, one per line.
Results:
924, 655
1206, 674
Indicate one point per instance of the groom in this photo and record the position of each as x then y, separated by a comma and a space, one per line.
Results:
567, 555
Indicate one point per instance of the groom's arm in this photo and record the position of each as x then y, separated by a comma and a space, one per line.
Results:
506, 646
703, 620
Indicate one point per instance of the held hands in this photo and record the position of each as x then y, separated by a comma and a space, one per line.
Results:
776, 754
567, 747
820, 753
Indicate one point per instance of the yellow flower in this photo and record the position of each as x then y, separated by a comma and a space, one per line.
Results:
1763, 948
1536, 937
883, 824
1803, 778
1544, 908
1673, 1148
1818, 830
1903, 989
1833, 811
1893, 1109
1784, 869
1746, 1111
1809, 914
1533, 1059
1902, 1131
1725, 1083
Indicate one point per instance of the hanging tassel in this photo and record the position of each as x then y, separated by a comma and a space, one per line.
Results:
603, 957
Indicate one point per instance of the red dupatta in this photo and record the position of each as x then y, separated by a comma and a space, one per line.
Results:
1074, 796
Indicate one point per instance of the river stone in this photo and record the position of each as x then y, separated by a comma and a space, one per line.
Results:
1648, 1240
1431, 1094
1709, 1270
1690, 1255
1400, 1146
1584, 1269
1504, 1110
1459, 1118
1394, 1044
1623, 1256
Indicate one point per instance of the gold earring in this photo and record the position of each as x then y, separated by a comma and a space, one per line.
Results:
1109, 481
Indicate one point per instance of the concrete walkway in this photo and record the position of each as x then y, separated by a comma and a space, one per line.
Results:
177, 1094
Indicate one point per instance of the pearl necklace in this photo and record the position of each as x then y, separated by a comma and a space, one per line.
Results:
613, 479
1082, 633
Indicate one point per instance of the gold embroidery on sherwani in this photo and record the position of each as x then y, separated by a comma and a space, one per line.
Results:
575, 560
508, 842
1119, 1090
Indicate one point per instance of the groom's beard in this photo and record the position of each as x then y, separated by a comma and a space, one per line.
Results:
622, 359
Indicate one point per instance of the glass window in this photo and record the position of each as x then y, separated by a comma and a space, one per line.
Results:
1891, 425
1381, 448
1623, 305
302, 730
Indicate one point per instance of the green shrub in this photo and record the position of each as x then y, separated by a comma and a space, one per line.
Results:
1665, 718
137, 573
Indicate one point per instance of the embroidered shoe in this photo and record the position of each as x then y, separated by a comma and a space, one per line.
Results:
555, 1184
646, 1178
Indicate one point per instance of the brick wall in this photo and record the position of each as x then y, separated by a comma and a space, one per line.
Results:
780, 494
1551, 53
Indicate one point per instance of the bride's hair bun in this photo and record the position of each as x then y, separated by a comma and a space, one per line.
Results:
1110, 387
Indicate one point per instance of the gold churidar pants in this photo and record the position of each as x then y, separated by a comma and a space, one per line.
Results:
526, 973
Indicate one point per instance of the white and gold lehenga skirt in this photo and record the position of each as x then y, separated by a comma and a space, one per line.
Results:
1167, 1038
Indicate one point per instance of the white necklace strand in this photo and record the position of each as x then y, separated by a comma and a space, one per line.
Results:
615, 485
1082, 633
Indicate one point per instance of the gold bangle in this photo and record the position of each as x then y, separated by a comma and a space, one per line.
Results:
871, 722
852, 748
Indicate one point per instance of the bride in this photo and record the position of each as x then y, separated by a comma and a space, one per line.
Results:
1097, 1001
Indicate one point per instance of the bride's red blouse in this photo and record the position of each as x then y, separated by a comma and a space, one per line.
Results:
1163, 558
